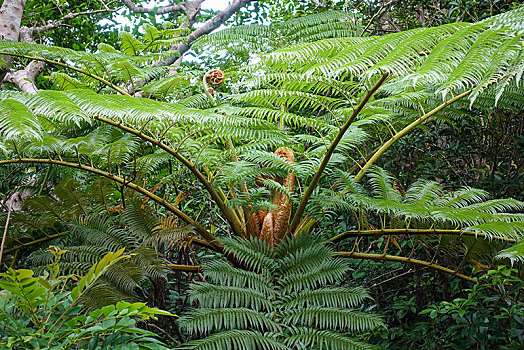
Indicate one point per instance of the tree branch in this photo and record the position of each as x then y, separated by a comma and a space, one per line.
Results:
60, 22
10, 19
385, 257
360, 233
25, 78
187, 268
36, 241
207, 28
158, 10
5, 233
383, 9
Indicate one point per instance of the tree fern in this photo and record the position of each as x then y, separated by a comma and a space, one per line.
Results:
338, 103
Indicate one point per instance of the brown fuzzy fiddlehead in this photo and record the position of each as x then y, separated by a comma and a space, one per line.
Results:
213, 77
275, 224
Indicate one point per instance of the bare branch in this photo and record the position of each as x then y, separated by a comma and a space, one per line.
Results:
187, 268
361, 233
207, 28
5, 233
380, 12
158, 10
67, 17
318, 3
384, 257
25, 78
36, 241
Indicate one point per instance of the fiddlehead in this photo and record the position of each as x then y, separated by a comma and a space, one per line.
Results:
275, 223
213, 77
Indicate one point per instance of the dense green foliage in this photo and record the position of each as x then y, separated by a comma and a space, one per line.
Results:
486, 316
42, 313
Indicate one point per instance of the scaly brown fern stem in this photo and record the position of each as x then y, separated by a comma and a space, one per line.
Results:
316, 178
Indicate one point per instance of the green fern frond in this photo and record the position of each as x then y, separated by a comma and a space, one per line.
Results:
304, 338
332, 319
325, 272
139, 219
99, 231
256, 253
18, 122
236, 340
204, 321
130, 45
221, 272
513, 229
423, 192
382, 184
65, 82
514, 253
166, 86
290, 99
310, 28
328, 298
215, 296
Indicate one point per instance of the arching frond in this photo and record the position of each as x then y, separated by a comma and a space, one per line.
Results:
327, 24
306, 337
514, 253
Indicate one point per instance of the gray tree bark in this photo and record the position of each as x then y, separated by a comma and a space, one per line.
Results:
25, 78
207, 28
10, 19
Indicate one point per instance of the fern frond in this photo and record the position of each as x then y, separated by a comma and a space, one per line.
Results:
382, 184
222, 273
306, 338
514, 253
256, 253
423, 192
328, 297
215, 296
18, 122
236, 340
205, 321
291, 303
325, 272
332, 318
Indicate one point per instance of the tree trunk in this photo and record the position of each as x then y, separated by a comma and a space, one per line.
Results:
10, 18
